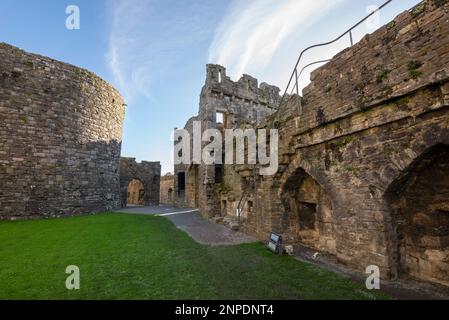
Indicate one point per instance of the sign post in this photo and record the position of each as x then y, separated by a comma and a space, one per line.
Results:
275, 243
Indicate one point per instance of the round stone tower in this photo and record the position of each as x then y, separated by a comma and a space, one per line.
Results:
60, 138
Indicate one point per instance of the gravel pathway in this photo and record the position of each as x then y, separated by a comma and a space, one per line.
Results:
189, 220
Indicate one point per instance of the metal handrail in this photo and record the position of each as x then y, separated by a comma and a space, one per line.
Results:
295, 74
305, 67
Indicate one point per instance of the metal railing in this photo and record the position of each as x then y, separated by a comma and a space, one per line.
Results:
241, 205
295, 76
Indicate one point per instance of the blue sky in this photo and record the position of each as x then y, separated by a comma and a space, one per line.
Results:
155, 51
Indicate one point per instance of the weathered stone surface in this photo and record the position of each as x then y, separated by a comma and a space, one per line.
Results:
167, 189
363, 169
375, 129
147, 173
136, 193
242, 104
60, 138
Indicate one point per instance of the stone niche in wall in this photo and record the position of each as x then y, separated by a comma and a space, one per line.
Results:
308, 213
420, 210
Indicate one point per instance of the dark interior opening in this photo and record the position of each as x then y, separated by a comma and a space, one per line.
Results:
181, 182
218, 173
307, 215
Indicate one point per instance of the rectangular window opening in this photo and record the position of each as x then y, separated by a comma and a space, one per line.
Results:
218, 173
181, 182
220, 117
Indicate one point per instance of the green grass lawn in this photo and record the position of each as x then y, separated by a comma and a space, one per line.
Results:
144, 257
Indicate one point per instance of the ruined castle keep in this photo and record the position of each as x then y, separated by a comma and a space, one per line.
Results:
364, 163
60, 138
223, 104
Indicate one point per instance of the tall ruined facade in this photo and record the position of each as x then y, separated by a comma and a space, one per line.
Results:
363, 172
224, 104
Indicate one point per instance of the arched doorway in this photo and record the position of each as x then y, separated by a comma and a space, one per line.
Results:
136, 193
419, 204
308, 218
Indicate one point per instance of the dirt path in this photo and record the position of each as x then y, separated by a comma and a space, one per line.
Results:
189, 220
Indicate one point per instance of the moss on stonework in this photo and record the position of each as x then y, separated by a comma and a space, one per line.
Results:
24, 119
388, 150
343, 142
383, 76
81, 74
413, 69
222, 189
353, 170
338, 129
418, 10
402, 103
391, 25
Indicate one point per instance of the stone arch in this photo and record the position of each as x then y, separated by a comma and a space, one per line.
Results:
418, 200
308, 217
146, 172
136, 193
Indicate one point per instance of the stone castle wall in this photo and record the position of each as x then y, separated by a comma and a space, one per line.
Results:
60, 138
148, 173
363, 172
167, 189
187, 194
373, 118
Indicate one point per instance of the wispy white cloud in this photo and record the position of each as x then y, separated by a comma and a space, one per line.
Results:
255, 36
148, 37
